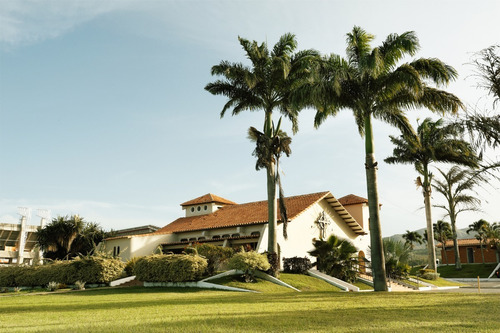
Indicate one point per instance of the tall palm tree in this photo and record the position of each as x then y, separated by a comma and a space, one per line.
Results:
412, 237
271, 83
269, 148
481, 228
371, 84
442, 232
433, 143
456, 187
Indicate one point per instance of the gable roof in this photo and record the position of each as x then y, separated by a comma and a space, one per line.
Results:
208, 198
352, 199
256, 213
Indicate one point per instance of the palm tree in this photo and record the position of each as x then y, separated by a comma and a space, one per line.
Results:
487, 63
57, 237
371, 84
442, 232
433, 142
456, 186
336, 257
411, 237
494, 236
481, 228
269, 147
270, 84
397, 255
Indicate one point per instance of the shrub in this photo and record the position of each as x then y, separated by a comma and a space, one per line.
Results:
79, 285
130, 266
217, 256
53, 286
249, 262
170, 268
95, 269
191, 250
296, 265
430, 276
396, 269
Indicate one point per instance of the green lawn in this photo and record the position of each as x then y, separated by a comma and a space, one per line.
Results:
467, 271
191, 310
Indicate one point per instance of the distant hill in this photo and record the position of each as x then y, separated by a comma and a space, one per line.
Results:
461, 234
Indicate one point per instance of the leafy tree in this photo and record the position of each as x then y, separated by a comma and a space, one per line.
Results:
434, 142
336, 257
456, 187
371, 84
269, 84
66, 237
442, 232
411, 237
481, 228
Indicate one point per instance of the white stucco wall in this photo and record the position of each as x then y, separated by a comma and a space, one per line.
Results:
136, 246
302, 230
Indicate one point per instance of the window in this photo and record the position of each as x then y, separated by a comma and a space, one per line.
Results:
192, 209
255, 233
235, 235
199, 208
184, 239
201, 238
116, 251
192, 239
206, 207
226, 236
216, 237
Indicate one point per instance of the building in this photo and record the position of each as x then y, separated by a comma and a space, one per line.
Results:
470, 252
17, 244
215, 220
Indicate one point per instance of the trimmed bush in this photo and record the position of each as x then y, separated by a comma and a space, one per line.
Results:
430, 276
296, 265
130, 266
249, 262
96, 269
217, 256
170, 268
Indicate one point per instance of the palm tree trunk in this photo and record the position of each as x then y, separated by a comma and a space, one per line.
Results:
431, 250
458, 264
377, 251
482, 251
272, 211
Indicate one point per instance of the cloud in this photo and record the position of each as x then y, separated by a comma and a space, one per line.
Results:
25, 22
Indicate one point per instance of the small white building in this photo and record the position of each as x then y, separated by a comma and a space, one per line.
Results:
17, 244
215, 220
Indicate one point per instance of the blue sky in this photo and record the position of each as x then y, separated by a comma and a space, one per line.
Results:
103, 111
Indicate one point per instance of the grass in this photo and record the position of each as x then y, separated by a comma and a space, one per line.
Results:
192, 310
467, 271
307, 283
362, 285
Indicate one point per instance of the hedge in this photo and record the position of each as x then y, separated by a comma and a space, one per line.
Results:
217, 256
94, 269
170, 268
296, 265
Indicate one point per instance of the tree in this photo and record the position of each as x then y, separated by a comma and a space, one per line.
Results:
273, 82
370, 83
268, 150
67, 237
487, 63
434, 142
336, 257
456, 187
411, 237
397, 255
481, 228
494, 236
442, 232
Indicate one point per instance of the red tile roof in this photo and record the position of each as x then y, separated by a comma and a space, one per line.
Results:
352, 199
243, 214
463, 242
208, 198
